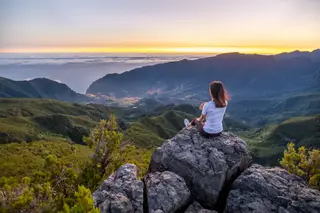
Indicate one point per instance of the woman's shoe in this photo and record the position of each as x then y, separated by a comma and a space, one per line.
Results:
186, 122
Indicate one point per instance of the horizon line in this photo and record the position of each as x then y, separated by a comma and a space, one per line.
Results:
160, 50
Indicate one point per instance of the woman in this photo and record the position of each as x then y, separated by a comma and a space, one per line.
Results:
212, 111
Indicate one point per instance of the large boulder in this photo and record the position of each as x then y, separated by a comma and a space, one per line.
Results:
166, 192
207, 165
267, 190
122, 192
195, 207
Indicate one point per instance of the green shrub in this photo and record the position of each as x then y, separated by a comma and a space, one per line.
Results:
105, 141
84, 202
53, 189
304, 163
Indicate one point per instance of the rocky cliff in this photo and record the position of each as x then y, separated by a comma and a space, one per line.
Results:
189, 174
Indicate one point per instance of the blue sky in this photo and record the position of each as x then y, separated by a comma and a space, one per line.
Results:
167, 25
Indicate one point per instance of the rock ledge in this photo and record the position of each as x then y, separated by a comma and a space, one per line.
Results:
260, 189
207, 165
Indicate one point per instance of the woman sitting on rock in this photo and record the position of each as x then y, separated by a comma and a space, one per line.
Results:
212, 111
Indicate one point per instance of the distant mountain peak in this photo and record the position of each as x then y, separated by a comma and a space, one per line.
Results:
243, 74
39, 88
316, 51
313, 55
231, 54
298, 51
40, 79
235, 55
47, 81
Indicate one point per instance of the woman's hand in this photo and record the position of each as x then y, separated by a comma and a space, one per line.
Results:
201, 118
202, 105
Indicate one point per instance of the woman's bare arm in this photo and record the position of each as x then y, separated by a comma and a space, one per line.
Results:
201, 118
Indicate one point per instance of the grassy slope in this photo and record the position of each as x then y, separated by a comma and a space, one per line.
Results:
150, 132
304, 131
42, 119
260, 112
268, 143
23, 159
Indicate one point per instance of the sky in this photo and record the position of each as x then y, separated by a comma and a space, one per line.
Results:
159, 26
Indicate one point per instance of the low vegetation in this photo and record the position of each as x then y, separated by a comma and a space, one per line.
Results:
66, 149
55, 188
49, 120
267, 143
150, 132
304, 163
19, 160
58, 176
275, 109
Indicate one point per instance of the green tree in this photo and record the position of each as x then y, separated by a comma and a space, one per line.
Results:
105, 141
61, 176
303, 163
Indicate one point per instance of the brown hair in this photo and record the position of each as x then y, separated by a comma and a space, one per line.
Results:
218, 94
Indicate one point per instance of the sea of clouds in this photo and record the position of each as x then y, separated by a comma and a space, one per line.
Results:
78, 71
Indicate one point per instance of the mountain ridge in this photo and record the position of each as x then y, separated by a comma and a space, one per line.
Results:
39, 88
245, 75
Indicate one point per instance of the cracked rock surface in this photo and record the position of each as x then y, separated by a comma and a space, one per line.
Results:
205, 164
195, 207
264, 190
121, 192
166, 192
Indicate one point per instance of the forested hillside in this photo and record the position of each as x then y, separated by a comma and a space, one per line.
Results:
39, 88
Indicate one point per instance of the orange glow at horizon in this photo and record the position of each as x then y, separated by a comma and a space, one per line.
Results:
144, 26
160, 50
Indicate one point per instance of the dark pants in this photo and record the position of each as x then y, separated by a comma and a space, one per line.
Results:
203, 133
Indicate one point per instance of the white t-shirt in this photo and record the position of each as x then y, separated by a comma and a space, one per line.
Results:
214, 117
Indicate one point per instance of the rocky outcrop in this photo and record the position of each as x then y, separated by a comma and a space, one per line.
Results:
166, 192
195, 207
265, 190
207, 165
121, 192
191, 174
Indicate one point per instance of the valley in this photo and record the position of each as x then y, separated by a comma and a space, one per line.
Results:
41, 117
55, 123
